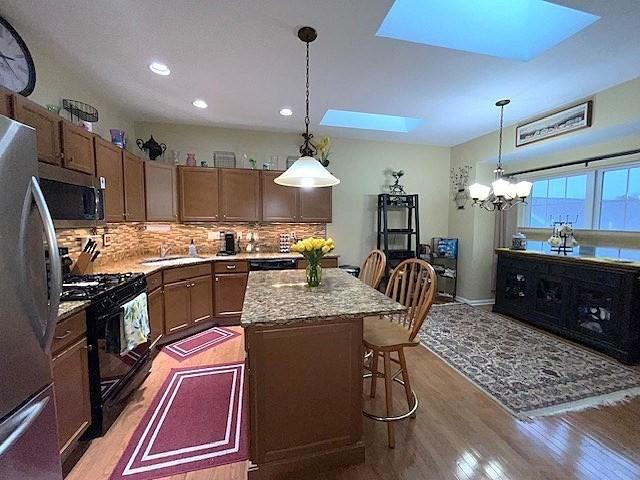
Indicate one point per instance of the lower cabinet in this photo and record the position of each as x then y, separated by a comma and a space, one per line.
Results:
187, 302
229, 291
71, 383
156, 314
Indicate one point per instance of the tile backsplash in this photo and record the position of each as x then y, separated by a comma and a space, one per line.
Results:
135, 240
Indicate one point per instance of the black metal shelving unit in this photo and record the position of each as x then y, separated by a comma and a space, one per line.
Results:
410, 230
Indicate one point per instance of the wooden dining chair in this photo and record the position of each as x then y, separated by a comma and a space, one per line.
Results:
413, 284
373, 268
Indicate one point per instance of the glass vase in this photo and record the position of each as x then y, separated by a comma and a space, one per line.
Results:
314, 275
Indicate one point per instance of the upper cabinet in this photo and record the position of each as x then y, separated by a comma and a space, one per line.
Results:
315, 204
133, 170
198, 194
279, 203
47, 125
77, 145
161, 188
6, 103
109, 166
240, 195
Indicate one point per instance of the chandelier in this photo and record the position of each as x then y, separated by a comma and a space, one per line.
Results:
307, 172
502, 194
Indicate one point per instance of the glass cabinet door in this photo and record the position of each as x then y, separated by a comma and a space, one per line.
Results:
550, 297
595, 312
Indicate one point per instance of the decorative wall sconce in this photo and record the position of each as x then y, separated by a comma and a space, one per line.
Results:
459, 183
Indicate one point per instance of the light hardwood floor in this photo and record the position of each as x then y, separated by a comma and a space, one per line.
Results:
459, 433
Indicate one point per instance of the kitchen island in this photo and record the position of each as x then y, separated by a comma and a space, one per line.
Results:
304, 350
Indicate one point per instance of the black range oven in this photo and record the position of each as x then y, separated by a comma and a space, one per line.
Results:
112, 377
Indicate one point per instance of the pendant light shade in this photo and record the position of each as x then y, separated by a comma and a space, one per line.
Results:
306, 172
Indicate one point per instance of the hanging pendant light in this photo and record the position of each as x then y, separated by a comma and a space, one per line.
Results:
307, 172
502, 194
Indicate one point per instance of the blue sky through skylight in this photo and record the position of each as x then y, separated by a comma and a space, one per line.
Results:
516, 29
369, 121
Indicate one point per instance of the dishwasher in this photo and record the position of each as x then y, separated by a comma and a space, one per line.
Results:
272, 264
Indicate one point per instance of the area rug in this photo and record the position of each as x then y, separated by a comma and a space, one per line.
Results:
196, 421
195, 344
528, 372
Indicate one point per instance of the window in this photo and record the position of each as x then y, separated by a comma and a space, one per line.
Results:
604, 199
553, 199
620, 199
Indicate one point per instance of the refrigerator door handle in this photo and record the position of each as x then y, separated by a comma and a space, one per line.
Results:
47, 328
15, 426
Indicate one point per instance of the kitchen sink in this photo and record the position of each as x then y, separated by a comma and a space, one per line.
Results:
169, 258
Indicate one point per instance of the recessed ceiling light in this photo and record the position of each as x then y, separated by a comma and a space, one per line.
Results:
286, 112
159, 68
200, 103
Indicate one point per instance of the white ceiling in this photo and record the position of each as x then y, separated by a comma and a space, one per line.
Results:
244, 59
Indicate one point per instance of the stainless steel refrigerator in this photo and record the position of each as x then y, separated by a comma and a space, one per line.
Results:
28, 313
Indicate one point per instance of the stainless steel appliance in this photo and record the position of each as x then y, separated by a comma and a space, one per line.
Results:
112, 377
74, 199
28, 432
272, 264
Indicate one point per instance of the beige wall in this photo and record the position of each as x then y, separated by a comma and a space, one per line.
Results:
616, 123
58, 77
359, 164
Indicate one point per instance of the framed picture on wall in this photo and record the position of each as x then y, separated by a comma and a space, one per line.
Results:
554, 124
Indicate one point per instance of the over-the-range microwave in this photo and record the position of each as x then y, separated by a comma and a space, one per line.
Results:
74, 199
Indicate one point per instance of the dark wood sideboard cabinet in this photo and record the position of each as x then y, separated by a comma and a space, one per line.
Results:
592, 302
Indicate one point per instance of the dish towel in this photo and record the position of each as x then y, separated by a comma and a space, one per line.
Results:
135, 328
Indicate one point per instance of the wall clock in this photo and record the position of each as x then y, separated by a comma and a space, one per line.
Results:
17, 71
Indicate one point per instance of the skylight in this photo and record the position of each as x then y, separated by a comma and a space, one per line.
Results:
516, 29
369, 121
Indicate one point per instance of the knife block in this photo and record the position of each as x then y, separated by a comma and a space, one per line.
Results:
83, 264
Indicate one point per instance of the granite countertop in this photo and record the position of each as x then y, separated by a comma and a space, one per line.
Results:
282, 297
135, 264
573, 257
69, 308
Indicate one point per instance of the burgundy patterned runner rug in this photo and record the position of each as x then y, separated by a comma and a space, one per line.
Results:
195, 344
196, 421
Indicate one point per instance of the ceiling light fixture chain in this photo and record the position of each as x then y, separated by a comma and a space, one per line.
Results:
307, 149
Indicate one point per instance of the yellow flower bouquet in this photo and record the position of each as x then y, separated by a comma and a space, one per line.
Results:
313, 249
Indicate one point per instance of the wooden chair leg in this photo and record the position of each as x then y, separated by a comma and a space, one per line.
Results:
388, 381
405, 379
374, 373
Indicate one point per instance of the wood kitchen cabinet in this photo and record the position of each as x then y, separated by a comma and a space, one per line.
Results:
229, 291
279, 203
156, 315
71, 381
188, 296
315, 204
6, 102
239, 195
109, 166
47, 125
161, 192
133, 173
198, 194
77, 145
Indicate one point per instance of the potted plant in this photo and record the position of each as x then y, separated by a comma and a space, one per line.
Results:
313, 249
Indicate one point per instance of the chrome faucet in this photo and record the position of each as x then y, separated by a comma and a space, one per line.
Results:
164, 249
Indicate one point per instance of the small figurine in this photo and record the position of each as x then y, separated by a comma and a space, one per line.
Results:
396, 188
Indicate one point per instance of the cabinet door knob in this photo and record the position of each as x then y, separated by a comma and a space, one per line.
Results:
70, 159
217, 279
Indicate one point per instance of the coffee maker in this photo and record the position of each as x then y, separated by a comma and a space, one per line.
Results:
228, 244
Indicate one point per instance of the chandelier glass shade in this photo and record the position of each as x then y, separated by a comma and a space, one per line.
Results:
306, 171
502, 194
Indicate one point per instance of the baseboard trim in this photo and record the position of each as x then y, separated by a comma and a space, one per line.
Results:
476, 303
